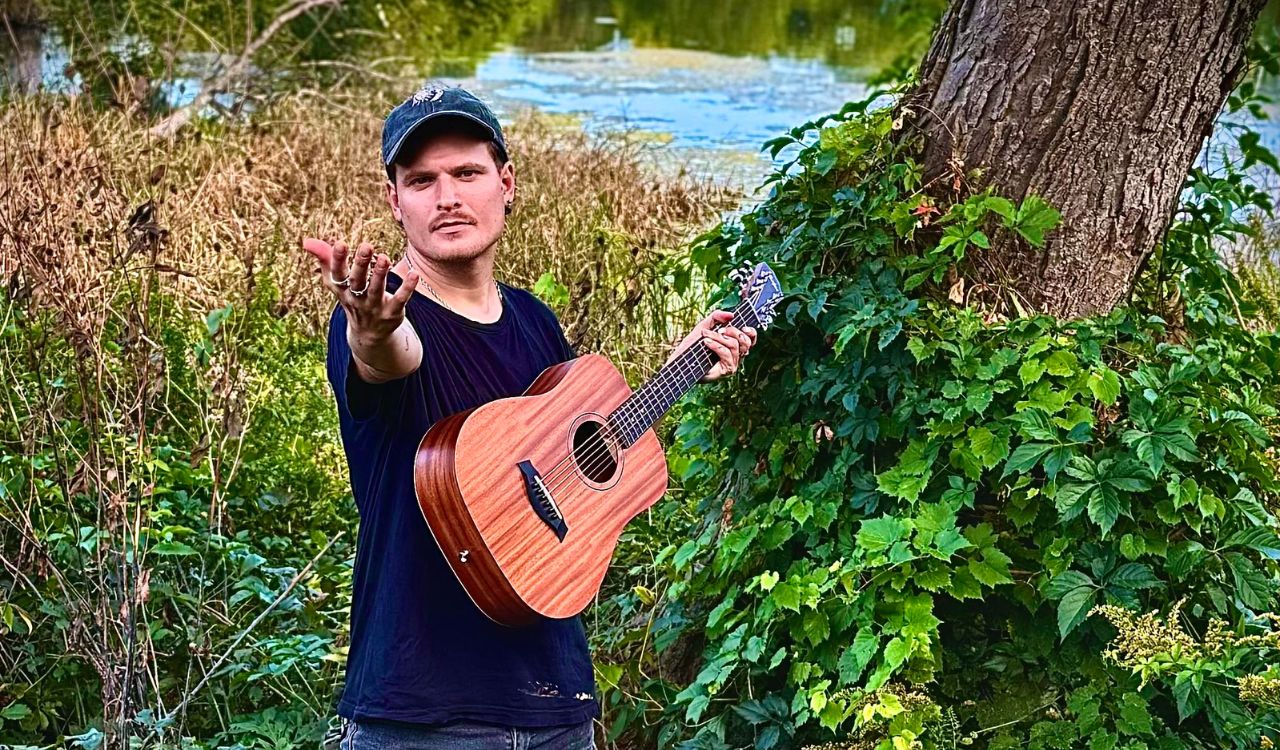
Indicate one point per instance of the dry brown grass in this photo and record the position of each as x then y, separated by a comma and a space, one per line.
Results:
90, 203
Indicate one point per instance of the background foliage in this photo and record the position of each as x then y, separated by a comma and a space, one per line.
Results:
921, 524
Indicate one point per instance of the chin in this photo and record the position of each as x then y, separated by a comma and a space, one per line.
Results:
459, 252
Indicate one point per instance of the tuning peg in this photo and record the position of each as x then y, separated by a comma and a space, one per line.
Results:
740, 275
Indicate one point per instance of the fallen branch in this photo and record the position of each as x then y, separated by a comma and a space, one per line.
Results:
169, 126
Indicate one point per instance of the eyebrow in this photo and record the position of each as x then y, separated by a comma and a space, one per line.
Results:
474, 166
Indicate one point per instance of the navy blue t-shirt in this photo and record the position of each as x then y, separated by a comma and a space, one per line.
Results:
420, 649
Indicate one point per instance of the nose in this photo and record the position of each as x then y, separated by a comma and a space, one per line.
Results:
447, 197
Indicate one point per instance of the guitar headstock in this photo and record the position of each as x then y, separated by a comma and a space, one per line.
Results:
760, 289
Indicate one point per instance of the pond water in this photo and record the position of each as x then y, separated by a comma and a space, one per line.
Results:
713, 80
703, 83
707, 82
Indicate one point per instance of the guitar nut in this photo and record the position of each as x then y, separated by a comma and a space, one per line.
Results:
462, 556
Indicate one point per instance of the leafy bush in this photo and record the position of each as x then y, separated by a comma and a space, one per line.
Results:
911, 505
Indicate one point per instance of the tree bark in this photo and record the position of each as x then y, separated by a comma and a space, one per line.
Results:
24, 68
1098, 106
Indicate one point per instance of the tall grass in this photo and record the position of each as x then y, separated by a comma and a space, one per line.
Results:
170, 473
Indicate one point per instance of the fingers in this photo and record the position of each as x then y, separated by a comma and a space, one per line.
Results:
730, 344
404, 293
332, 260
726, 347
319, 249
360, 267
378, 279
717, 317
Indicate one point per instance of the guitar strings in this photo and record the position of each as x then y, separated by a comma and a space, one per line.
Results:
599, 453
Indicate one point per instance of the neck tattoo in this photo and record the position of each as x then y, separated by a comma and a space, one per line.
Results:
409, 260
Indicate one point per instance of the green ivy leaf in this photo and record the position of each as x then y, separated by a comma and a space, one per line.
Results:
1134, 718
1252, 585
1025, 457
964, 586
920, 619
933, 578
1033, 219
1073, 608
896, 652
685, 554
786, 596
879, 534
948, 542
1104, 508
172, 548
551, 291
1030, 371
1066, 582
993, 569
1062, 363
1134, 576
1105, 385
987, 446
855, 658
1132, 546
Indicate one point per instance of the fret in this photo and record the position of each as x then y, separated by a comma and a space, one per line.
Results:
652, 400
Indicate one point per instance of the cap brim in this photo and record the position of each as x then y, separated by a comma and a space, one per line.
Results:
395, 149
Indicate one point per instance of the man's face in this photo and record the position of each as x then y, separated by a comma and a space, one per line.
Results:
451, 197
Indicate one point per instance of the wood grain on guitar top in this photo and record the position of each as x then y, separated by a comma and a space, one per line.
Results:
472, 493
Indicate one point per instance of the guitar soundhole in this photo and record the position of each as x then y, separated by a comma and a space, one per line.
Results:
594, 453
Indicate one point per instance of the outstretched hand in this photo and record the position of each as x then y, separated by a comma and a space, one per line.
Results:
362, 290
729, 343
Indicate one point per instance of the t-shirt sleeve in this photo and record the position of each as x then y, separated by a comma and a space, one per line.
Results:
358, 398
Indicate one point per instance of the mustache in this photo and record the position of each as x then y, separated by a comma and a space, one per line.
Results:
451, 219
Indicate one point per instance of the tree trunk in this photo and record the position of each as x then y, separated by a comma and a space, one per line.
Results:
1098, 106
24, 69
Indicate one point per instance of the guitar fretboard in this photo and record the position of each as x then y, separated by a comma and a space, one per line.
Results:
649, 402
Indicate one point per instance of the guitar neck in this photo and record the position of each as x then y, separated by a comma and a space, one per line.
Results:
648, 403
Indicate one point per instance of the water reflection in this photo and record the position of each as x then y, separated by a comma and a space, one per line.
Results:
849, 36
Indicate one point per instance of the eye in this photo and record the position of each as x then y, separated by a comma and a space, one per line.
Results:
468, 173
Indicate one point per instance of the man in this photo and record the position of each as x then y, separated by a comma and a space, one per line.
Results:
410, 343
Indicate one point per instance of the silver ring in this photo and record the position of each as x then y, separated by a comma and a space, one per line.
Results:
343, 284
359, 292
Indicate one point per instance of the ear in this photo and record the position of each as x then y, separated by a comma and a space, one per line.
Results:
393, 200
507, 176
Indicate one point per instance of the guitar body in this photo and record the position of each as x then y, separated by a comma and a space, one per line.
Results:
527, 496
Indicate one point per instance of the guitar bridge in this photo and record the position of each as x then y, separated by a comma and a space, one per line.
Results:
543, 503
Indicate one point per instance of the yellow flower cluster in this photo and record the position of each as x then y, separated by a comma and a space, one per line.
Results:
1256, 688
1144, 639
1153, 644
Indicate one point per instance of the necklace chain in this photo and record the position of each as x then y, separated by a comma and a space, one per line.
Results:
434, 293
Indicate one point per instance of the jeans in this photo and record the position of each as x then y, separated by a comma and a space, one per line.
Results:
377, 735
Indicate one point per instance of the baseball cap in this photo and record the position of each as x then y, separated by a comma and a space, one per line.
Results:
435, 101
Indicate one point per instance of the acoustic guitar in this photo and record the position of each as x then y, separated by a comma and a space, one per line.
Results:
527, 496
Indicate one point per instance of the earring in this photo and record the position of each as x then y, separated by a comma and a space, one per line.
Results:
507, 209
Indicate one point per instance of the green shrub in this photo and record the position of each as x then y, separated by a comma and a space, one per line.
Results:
910, 507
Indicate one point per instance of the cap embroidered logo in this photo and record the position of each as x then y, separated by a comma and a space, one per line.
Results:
427, 93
